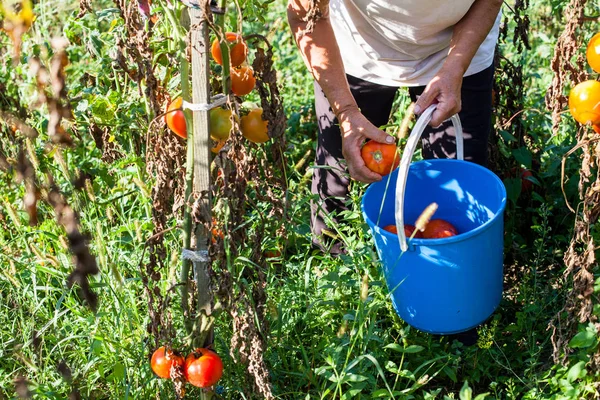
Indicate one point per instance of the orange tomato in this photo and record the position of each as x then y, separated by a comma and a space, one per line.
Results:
218, 146
438, 228
220, 123
242, 80
593, 52
176, 119
203, 368
596, 128
162, 361
408, 230
382, 158
253, 127
584, 102
237, 52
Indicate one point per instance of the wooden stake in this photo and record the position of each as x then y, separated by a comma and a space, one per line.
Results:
201, 95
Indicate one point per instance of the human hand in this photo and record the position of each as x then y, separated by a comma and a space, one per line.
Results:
356, 129
443, 90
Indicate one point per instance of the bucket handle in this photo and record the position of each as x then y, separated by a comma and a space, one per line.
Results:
407, 156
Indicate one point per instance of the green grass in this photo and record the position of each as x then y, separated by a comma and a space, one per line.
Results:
333, 332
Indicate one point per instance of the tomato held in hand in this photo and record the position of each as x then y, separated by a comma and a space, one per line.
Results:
253, 127
237, 50
593, 52
242, 80
162, 360
176, 119
380, 157
408, 230
203, 368
220, 123
438, 228
584, 102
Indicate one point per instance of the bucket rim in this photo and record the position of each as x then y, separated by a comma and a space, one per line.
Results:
452, 239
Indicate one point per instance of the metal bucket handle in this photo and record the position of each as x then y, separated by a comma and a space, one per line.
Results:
407, 156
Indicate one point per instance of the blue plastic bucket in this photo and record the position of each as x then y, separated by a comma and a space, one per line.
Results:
447, 285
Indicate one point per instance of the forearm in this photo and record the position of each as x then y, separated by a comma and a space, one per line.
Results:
321, 55
469, 33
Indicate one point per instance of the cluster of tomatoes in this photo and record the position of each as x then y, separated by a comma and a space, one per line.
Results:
435, 229
584, 98
202, 367
252, 125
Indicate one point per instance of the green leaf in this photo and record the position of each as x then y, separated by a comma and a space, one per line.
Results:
583, 340
513, 188
413, 348
577, 371
482, 396
523, 156
450, 373
466, 393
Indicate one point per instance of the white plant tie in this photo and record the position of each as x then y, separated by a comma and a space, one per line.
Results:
195, 256
215, 101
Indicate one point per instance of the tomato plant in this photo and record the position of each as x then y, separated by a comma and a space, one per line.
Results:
584, 102
593, 52
163, 360
242, 80
220, 123
438, 228
382, 158
253, 127
237, 50
176, 119
203, 368
408, 230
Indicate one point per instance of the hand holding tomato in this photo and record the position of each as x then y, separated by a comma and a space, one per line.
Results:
355, 130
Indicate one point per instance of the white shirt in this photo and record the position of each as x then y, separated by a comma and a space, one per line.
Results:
402, 42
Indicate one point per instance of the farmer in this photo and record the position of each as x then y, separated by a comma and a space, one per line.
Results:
360, 52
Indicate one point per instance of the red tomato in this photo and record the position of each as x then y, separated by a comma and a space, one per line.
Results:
438, 228
593, 52
382, 158
237, 52
584, 102
408, 230
526, 184
176, 119
203, 368
242, 80
162, 361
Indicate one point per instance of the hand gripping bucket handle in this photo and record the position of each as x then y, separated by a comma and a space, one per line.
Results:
407, 156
